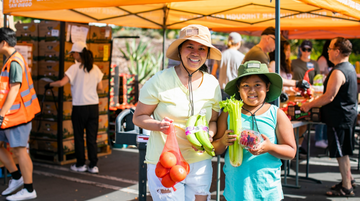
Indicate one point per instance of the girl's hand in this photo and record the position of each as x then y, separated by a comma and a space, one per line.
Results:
228, 138
262, 147
165, 125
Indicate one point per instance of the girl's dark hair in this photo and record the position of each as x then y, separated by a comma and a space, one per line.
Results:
325, 53
87, 59
263, 77
8, 35
285, 64
204, 67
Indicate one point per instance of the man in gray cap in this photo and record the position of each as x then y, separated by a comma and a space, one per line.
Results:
260, 51
230, 62
300, 65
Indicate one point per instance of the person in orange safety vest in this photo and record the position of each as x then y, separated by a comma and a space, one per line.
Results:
18, 106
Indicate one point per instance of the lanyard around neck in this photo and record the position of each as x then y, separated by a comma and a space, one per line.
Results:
253, 119
191, 96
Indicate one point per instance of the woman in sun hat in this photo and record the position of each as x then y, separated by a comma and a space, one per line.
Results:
85, 79
173, 95
259, 175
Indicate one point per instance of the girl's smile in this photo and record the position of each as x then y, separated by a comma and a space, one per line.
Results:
253, 90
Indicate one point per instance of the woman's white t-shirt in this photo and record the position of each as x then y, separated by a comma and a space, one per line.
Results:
84, 84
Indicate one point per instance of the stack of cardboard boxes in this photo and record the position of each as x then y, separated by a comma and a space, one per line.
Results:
45, 37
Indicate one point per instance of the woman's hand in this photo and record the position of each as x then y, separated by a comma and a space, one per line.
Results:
227, 139
305, 107
262, 147
165, 125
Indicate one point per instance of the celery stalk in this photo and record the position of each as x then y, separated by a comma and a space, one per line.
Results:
233, 107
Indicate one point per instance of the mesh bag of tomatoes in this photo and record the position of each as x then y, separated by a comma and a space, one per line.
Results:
172, 167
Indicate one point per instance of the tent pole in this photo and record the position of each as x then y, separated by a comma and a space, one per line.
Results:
5, 21
277, 42
164, 37
163, 47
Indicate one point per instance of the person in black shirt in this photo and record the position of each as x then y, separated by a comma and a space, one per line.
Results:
339, 112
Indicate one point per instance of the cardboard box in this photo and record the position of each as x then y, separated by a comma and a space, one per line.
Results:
41, 91
102, 137
103, 105
27, 31
48, 129
49, 51
103, 123
49, 69
100, 34
105, 89
35, 70
50, 112
105, 68
52, 145
49, 31
101, 51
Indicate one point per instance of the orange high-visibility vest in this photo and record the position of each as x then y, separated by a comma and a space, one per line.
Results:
26, 104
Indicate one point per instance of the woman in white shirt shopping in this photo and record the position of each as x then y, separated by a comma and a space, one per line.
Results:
85, 79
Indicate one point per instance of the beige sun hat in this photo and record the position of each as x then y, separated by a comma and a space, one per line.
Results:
197, 33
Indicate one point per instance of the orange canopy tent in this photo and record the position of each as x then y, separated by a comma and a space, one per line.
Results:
300, 18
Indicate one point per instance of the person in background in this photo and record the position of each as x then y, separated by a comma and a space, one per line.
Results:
259, 175
230, 62
19, 105
285, 67
324, 65
85, 79
300, 65
339, 112
173, 95
260, 51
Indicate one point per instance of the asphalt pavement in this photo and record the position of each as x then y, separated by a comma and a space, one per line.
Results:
118, 179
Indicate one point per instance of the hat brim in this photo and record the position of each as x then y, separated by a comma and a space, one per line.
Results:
173, 53
274, 89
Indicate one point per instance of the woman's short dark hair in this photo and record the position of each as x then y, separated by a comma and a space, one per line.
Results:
344, 45
8, 35
204, 67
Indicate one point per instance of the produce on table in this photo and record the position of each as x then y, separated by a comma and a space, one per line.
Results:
250, 139
233, 107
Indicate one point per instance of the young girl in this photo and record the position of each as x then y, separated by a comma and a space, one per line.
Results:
258, 177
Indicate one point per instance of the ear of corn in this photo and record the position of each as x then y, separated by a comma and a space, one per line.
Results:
233, 107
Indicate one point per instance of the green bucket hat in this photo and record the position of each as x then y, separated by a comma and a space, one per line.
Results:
256, 68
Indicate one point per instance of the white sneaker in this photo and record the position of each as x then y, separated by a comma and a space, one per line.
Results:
321, 144
78, 169
22, 195
13, 185
94, 170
